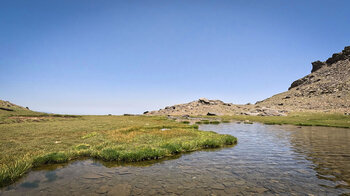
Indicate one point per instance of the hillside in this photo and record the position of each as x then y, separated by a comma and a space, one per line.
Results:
12, 113
8, 106
326, 89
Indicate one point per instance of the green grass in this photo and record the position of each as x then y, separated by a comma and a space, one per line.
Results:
300, 119
215, 122
33, 142
205, 121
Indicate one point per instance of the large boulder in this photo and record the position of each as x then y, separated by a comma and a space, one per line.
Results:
297, 83
204, 101
211, 114
317, 65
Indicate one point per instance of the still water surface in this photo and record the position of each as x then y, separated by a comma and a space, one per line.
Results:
268, 160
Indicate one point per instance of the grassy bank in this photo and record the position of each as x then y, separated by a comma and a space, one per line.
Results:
300, 119
34, 139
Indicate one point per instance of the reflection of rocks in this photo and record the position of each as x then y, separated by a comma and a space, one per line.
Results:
327, 151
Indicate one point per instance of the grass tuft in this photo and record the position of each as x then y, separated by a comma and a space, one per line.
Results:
55, 157
82, 146
109, 154
10, 173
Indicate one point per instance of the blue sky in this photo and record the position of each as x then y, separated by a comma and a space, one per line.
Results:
100, 57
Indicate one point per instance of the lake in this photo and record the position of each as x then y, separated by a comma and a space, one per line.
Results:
268, 160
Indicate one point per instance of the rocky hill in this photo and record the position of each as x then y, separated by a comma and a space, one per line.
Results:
206, 107
326, 89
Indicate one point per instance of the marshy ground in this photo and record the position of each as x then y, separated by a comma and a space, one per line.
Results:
30, 140
297, 118
267, 160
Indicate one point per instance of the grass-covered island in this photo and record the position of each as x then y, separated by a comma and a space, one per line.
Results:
30, 139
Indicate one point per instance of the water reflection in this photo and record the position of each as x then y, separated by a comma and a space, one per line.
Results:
328, 149
284, 160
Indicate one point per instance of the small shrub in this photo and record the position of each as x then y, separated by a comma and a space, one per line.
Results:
214, 122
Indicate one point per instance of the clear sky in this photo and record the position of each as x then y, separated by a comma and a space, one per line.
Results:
100, 57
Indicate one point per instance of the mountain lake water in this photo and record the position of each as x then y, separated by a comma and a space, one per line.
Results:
268, 160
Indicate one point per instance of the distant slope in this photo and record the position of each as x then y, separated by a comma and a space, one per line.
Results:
8, 112
203, 106
12, 113
10, 107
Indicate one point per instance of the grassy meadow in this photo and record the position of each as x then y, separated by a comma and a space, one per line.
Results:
30, 139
